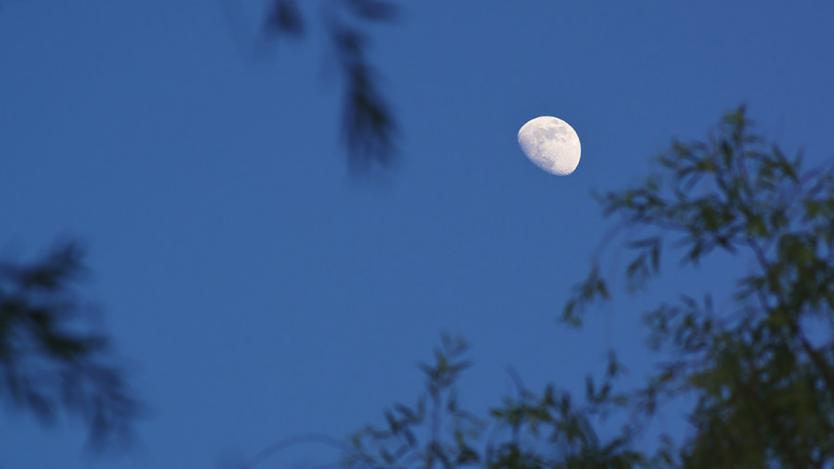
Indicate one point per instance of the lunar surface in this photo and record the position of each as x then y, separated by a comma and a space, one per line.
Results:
551, 144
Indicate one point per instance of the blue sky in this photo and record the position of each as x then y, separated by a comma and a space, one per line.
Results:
259, 292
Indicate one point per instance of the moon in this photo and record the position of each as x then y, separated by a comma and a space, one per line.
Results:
551, 144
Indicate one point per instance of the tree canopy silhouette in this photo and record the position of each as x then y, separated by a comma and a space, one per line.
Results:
760, 371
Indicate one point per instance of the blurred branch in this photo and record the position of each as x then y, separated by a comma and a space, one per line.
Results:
51, 361
369, 127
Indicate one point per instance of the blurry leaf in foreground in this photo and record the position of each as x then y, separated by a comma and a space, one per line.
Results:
52, 360
368, 125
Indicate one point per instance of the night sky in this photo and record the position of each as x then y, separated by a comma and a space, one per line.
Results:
258, 290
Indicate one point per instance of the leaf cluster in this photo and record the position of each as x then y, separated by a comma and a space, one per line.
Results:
52, 360
527, 430
368, 125
435, 431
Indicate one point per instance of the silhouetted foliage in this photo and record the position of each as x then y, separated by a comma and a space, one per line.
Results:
526, 430
368, 126
760, 371
434, 430
51, 358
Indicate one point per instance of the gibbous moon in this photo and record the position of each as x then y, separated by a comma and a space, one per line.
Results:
551, 144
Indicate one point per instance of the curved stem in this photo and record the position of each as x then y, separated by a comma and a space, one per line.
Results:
281, 445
